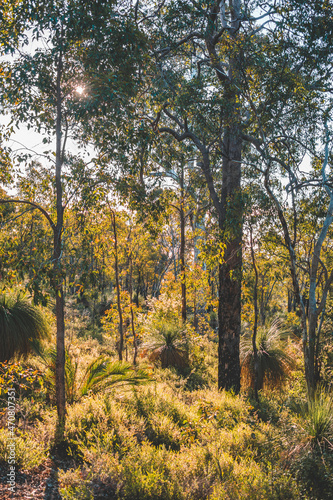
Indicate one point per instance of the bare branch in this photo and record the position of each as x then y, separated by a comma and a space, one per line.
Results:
174, 119
35, 205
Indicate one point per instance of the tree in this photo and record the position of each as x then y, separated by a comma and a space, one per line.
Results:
229, 77
40, 88
279, 145
198, 65
319, 278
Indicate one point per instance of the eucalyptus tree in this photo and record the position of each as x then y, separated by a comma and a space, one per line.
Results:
198, 60
221, 76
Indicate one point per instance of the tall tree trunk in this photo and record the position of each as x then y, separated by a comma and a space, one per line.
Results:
58, 279
230, 271
138, 288
173, 243
135, 342
230, 205
255, 325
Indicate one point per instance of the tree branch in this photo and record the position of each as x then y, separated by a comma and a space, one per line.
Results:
35, 205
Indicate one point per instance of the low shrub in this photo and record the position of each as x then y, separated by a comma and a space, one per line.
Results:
26, 452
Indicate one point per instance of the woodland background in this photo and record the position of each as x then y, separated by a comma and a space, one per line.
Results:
166, 248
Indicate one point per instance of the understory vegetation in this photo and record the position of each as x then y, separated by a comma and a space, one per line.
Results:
168, 433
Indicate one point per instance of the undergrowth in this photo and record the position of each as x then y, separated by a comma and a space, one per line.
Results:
177, 438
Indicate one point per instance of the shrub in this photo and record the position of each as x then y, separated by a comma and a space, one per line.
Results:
24, 379
28, 452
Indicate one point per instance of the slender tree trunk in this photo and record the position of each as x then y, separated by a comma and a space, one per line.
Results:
174, 253
255, 325
58, 279
116, 267
138, 288
262, 303
182, 246
195, 311
135, 343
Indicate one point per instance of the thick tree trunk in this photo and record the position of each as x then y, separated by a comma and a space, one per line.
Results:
230, 272
229, 319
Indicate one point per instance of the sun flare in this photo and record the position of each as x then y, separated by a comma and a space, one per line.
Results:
79, 89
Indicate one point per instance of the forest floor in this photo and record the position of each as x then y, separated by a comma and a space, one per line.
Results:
39, 483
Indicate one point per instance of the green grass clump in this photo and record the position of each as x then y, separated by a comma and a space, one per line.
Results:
319, 418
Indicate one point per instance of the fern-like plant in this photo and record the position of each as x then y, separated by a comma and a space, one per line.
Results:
22, 327
100, 375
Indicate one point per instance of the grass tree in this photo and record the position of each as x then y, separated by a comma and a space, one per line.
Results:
22, 327
101, 375
273, 363
167, 347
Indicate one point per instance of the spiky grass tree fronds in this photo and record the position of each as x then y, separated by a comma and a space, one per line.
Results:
312, 453
22, 327
102, 374
168, 347
274, 363
49, 358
